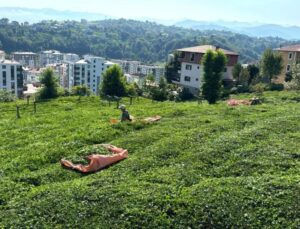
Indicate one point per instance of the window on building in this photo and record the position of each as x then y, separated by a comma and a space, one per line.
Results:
192, 56
198, 67
94, 61
187, 78
13, 86
290, 55
4, 79
12, 73
225, 69
3, 66
288, 68
188, 67
182, 55
197, 79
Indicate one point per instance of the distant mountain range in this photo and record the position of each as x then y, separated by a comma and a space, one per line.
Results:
250, 29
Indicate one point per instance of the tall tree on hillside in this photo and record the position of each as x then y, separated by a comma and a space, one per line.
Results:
113, 83
253, 72
50, 85
172, 69
236, 72
214, 63
272, 64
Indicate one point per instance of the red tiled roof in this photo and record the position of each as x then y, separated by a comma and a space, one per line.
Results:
203, 48
291, 48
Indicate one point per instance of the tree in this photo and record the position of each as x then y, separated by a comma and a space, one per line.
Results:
113, 83
253, 72
272, 64
50, 85
244, 77
214, 63
236, 72
172, 69
160, 93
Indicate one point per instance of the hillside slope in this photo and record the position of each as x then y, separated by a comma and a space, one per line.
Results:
125, 39
201, 166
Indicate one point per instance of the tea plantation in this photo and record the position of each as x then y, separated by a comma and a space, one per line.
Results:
201, 166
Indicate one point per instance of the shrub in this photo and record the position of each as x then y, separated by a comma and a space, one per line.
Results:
243, 89
276, 87
6, 96
259, 88
185, 95
81, 90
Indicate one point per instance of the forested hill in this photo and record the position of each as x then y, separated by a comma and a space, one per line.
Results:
125, 39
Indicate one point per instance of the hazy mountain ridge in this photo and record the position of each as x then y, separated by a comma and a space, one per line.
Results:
251, 29
248, 28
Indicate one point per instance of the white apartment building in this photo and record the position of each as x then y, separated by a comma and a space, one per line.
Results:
2, 55
128, 67
50, 57
32, 76
11, 77
191, 73
154, 70
71, 57
27, 59
88, 71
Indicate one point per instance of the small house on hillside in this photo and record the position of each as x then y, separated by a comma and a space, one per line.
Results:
191, 73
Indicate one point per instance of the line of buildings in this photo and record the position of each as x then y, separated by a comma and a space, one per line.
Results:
26, 67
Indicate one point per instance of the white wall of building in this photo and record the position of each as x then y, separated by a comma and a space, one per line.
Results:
11, 77
191, 75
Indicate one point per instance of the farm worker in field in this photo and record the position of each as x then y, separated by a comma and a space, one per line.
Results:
98, 161
125, 114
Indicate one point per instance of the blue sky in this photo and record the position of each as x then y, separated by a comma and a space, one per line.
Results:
285, 12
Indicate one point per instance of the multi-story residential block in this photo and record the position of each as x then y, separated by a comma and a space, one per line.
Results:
290, 56
89, 72
2, 55
128, 67
71, 57
50, 57
191, 73
27, 59
32, 76
154, 70
11, 77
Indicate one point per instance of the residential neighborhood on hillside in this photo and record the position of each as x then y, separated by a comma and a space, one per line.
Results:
73, 71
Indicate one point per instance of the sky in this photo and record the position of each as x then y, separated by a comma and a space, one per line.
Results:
284, 12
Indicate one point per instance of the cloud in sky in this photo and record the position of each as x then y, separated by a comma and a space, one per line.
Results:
266, 11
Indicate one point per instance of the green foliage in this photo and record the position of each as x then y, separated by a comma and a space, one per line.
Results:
236, 72
160, 93
293, 81
201, 166
6, 96
214, 64
271, 63
253, 73
276, 87
172, 69
50, 85
125, 39
114, 83
131, 89
259, 88
81, 90
185, 95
